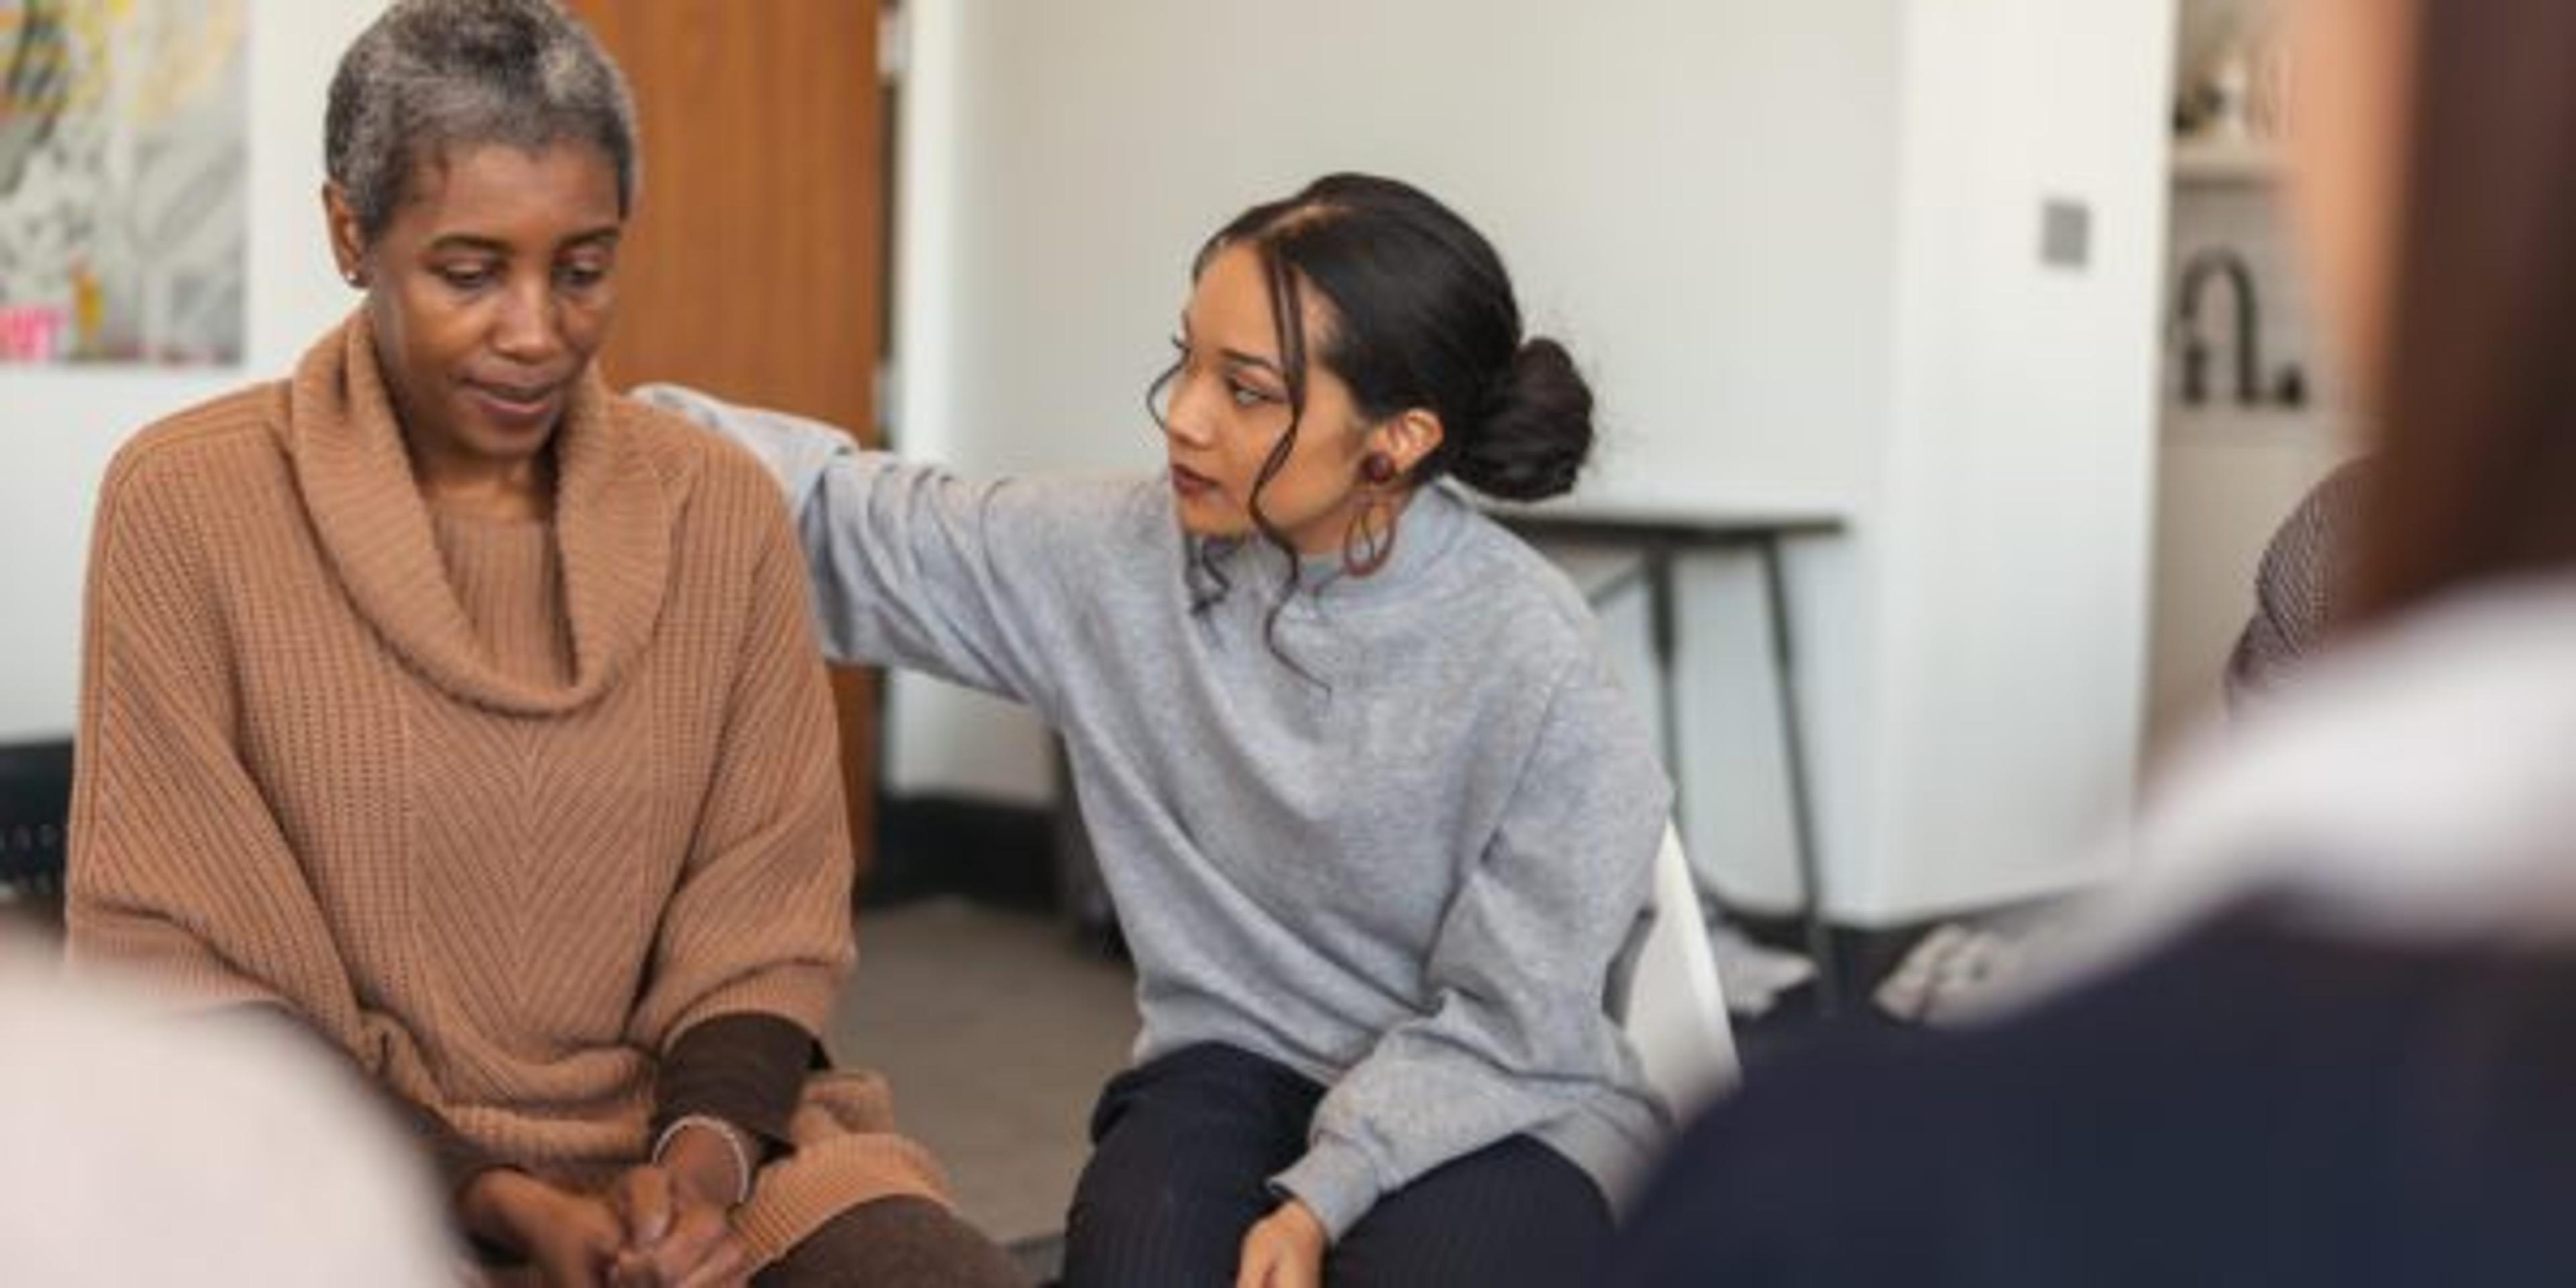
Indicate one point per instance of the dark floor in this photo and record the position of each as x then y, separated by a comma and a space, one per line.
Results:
996, 1029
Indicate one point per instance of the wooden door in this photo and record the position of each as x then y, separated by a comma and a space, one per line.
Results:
754, 265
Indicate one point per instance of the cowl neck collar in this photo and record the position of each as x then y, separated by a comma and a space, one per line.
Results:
613, 520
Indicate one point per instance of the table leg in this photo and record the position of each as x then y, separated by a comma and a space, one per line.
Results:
1811, 876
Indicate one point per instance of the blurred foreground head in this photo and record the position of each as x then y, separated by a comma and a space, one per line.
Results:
149, 1150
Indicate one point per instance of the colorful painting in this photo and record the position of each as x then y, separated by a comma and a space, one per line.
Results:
123, 181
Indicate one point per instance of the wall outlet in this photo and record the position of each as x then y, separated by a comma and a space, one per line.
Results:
2065, 233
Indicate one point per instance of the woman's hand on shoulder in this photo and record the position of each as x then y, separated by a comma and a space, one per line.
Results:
1284, 1250
572, 1240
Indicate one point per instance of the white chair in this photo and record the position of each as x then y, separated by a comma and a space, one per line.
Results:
1671, 1006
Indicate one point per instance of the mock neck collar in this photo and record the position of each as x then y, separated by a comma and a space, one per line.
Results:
1430, 524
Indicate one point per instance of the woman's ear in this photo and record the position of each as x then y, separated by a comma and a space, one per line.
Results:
1409, 436
348, 241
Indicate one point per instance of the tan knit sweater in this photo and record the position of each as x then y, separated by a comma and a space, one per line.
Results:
501, 809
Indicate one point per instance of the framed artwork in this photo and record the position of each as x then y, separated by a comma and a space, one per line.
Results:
123, 181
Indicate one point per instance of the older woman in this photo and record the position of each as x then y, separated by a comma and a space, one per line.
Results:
467, 715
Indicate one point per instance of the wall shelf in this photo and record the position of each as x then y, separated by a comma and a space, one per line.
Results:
2219, 162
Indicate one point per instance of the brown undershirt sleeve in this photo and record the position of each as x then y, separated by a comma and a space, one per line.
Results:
747, 1069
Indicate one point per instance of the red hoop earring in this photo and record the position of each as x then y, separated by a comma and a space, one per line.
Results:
1370, 540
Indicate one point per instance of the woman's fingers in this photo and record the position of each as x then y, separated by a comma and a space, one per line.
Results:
576, 1245
1255, 1271
725, 1266
1261, 1256
644, 1201
634, 1269
699, 1238
1283, 1250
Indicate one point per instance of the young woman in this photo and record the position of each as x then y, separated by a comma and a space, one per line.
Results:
1374, 816
466, 715
2331, 1031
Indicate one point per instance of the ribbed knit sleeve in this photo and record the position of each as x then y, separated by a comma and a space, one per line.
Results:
761, 919
977, 582
178, 872
914, 566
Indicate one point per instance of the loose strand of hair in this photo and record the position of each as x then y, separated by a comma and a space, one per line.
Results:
1209, 583
1287, 314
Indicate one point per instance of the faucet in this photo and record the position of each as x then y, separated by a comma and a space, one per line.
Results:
2195, 353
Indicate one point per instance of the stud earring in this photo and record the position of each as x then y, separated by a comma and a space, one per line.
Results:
1377, 469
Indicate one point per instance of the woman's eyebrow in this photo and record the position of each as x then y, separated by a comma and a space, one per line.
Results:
1242, 359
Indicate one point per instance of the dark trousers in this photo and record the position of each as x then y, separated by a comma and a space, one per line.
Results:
1183, 1148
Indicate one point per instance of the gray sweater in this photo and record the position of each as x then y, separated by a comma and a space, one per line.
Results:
1401, 866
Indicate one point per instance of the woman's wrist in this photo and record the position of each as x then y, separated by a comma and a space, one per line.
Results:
1302, 1221
707, 1157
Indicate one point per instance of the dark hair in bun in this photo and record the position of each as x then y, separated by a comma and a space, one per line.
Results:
1536, 431
1420, 314
1417, 312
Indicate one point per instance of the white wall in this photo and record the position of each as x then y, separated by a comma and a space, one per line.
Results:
1798, 245
2008, 556
1697, 196
62, 424
1973, 648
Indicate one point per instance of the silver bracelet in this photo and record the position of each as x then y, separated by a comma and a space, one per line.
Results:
728, 1133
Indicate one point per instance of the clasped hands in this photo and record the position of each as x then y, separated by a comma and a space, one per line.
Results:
662, 1225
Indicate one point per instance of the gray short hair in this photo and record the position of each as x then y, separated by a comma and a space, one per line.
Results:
433, 74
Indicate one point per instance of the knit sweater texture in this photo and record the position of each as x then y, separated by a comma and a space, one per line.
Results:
1392, 837
500, 809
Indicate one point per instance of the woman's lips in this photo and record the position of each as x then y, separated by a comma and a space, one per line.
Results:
1190, 483
521, 406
